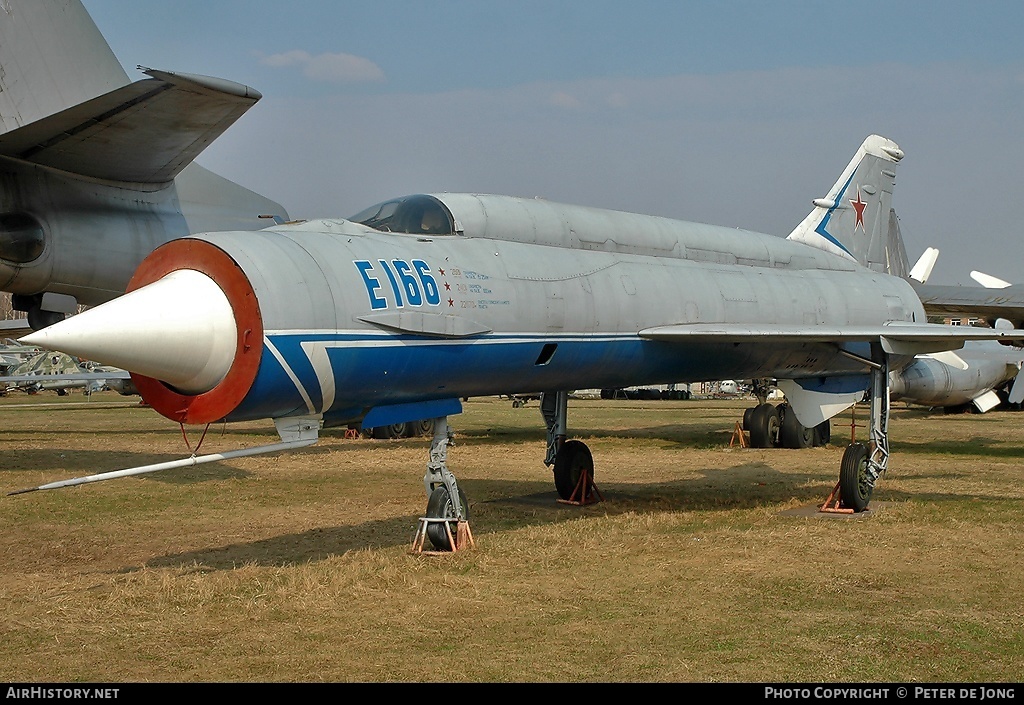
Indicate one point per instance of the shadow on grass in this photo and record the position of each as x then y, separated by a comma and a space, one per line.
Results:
977, 446
60, 465
498, 506
698, 435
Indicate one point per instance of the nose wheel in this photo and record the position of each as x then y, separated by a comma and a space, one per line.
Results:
574, 474
446, 522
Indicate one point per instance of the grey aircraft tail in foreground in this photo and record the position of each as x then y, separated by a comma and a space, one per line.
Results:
402, 310
95, 171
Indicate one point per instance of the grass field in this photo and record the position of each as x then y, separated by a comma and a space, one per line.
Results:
704, 562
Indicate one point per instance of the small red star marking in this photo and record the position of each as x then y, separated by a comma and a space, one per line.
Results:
859, 206
450, 302
447, 286
440, 271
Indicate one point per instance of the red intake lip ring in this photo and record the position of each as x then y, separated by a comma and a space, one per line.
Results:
215, 404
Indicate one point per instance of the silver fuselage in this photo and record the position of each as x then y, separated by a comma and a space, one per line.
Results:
530, 295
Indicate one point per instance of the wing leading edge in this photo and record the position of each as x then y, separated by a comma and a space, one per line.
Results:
896, 338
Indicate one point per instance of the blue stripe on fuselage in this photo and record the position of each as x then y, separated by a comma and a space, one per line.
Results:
372, 369
360, 370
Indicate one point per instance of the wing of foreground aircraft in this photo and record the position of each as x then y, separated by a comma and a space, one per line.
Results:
95, 171
399, 312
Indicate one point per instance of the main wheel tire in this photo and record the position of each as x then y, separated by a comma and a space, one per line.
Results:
439, 506
823, 433
424, 427
794, 434
854, 482
764, 426
391, 432
747, 413
573, 460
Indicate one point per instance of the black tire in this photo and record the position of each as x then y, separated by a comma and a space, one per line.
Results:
391, 432
764, 426
823, 433
423, 427
572, 461
794, 434
439, 506
747, 413
854, 485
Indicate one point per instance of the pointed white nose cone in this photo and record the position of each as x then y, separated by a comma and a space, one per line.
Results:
180, 329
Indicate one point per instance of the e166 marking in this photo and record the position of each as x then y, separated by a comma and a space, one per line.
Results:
411, 283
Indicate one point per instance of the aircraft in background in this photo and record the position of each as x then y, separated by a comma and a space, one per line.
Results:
988, 302
406, 308
31, 370
988, 281
982, 375
97, 171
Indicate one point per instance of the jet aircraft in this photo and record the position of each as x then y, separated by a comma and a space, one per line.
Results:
30, 369
401, 311
97, 171
974, 376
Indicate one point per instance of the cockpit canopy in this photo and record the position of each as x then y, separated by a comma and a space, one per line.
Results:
415, 215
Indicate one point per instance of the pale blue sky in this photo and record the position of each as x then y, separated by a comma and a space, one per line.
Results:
736, 113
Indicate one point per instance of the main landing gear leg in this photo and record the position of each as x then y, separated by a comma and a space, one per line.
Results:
447, 508
573, 463
862, 464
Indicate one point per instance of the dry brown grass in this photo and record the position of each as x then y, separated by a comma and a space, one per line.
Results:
702, 564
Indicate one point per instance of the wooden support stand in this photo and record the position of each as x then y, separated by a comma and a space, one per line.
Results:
740, 435
577, 497
463, 537
831, 504
853, 424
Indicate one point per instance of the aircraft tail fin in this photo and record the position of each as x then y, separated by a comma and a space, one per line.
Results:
856, 220
988, 281
52, 57
923, 268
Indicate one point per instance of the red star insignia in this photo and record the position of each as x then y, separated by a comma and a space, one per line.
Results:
440, 271
859, 206
447, 286
450, 302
